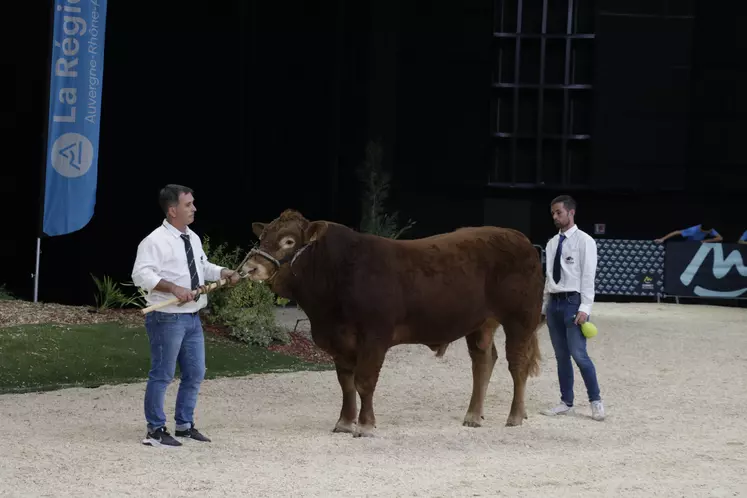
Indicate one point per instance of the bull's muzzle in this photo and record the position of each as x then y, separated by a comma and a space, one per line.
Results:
258, 271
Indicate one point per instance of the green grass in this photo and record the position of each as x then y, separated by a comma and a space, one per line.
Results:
48, 357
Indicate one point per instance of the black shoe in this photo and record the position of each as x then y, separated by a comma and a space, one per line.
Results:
160, 437
192, 433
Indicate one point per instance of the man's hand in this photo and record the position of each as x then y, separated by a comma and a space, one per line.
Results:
183, 294
581, 318
659, 241
232, 276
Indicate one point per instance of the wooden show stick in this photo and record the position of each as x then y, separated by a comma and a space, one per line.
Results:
175, 300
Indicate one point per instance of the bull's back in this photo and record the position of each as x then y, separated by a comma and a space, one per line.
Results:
448, 282
469, 253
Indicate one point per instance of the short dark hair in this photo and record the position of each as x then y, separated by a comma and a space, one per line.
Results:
566, 200
169, 195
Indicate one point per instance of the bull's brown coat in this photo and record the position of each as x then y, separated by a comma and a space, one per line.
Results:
364, 294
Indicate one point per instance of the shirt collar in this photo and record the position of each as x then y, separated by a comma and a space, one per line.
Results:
174, 231
569, 233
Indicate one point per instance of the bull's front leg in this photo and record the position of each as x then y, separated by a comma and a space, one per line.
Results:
370, 359
346, 377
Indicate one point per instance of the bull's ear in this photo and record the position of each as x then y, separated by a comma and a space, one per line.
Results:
258, 228
316, 231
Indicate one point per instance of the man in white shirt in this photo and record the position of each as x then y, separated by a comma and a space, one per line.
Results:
569, 296
171, 262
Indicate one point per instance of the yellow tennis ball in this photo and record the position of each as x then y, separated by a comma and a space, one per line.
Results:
588, 329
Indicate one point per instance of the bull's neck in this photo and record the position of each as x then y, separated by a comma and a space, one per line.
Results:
315, 273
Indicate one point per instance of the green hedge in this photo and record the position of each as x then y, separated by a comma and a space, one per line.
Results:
248, 308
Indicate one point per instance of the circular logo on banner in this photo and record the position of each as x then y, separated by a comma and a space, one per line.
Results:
72, 155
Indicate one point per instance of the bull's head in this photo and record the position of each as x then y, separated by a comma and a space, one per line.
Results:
280, 242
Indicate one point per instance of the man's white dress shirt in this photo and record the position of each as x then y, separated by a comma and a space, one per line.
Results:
161, 255
578, 263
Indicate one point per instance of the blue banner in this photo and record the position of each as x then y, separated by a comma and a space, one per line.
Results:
74, 115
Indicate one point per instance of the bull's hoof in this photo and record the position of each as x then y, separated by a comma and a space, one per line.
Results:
514, 420
472, 420
344, 427
364, 431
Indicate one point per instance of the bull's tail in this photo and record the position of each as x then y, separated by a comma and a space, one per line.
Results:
535, 356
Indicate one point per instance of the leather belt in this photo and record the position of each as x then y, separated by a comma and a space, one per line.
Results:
563, 295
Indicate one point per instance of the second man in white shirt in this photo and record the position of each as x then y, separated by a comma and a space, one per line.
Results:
569, 296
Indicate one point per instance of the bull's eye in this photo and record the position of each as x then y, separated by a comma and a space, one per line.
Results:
287, 242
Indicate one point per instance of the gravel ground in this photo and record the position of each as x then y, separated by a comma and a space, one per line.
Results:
671, 376
292, 318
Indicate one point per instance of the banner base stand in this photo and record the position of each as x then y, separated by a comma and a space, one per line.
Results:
36, 269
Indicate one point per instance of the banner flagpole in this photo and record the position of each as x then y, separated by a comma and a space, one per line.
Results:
45, 151
74, 83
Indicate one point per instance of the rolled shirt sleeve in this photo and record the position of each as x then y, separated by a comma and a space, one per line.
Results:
588, 274
210, 271
147, 264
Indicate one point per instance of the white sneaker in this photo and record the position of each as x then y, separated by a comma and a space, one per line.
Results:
561, 409
597, 410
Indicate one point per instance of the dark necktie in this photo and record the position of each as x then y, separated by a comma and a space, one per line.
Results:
191, 262
556, 264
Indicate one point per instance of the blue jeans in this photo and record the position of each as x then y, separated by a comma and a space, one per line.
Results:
174, 337
568, 342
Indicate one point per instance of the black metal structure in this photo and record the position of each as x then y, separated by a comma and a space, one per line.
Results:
542, 100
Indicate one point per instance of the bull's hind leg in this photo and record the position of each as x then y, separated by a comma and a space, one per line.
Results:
523, 355
349, 410
483, 353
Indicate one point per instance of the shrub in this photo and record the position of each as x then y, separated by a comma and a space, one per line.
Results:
376, 183
109, 295
5, 294
248, 308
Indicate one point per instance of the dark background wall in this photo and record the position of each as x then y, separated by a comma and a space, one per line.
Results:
261, 106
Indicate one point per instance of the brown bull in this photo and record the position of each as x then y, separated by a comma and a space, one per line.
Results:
364, 294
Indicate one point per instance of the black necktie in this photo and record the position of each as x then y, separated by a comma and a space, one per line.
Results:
191, 262
556, 264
